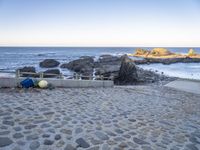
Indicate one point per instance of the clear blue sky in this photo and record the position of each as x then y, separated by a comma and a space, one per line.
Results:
100, 22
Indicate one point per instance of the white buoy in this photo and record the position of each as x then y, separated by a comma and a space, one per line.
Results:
43, 84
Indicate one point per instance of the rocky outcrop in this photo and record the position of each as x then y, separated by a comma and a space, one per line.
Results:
160, 52
122, 69
108, 65
51, 73
140, 51
191, 52
83, 65
49, 63
146, 76
167, 61
164, 56
109, 59
127, 73
27, 70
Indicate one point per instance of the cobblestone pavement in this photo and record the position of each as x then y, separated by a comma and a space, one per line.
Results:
119, 118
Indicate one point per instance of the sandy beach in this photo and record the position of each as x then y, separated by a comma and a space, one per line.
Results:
124, 117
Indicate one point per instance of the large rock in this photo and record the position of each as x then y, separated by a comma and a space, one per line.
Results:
140, 51
109, 59
122, 69
27, 70
49, 63
160, 52
127, 73
107, 69
4, 141
108, 66
191, 52
51, 73
83, 65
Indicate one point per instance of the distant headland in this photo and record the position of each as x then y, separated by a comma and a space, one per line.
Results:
163, 55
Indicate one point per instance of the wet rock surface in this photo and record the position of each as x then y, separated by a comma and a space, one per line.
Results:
127, 73
167, 61
124, 117
49, 63
122, 70
51, 73
83, 65
28, 69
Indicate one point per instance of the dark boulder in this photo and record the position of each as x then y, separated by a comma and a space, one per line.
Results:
147, 76
82, 65
104, 69
26, 71
51, 73
128, 72
108, 66
49, 63
109, 59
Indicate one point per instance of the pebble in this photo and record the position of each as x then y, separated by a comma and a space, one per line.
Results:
18, 135
46, 135
5, 141
7, 122
32, 137
57, 137
48, 142
60, 143
65, 131
119, 131
105, 147
139, 141
31, 126
132, 120
101, 135
96, 142
192, 147
78, 130
4, 132
82, 143
34, 145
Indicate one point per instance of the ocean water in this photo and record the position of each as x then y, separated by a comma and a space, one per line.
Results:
12, 58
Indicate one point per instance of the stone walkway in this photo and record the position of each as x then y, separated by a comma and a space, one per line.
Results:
191, 86
120, 118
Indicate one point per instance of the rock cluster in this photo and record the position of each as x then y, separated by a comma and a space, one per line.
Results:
153, 52
47, 63
164, 56
122, 69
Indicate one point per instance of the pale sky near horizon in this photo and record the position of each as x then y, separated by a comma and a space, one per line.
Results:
100, 23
